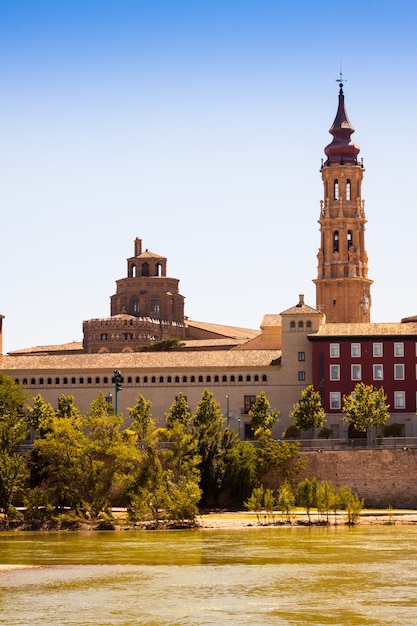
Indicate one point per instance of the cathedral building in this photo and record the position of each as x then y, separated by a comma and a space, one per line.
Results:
333, 346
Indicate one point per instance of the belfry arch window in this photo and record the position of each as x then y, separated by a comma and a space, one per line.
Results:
158, 269
336, 189
348, 189
155, 307
134, 306
336, 241
145, 269
349, 240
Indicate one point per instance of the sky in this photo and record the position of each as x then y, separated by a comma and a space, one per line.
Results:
198, 126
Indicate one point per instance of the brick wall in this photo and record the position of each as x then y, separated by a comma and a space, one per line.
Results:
383, 477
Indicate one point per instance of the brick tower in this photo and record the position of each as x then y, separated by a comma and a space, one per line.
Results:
146, 307
342, 284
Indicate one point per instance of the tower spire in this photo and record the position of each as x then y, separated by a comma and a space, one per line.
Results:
342, 284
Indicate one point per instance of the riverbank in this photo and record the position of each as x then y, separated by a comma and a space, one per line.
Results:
224, 520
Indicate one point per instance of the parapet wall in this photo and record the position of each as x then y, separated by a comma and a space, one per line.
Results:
383, 477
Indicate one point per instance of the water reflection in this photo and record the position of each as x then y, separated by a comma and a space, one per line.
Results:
364, 575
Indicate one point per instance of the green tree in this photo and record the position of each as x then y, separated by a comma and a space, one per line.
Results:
262, 416
279, 456
164, 345
286, 499
308, 412
13, 430
306, 495
255, 501
365, 407
179, 412
241, 471
208, 428
325, 498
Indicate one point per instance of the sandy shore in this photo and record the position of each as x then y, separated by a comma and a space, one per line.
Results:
243, 519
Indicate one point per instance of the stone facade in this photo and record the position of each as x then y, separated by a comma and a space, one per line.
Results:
382, 477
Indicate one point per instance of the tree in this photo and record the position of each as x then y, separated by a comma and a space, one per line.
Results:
365, 407
13, 430
308, 412
325, 498
179, 412
241, 472
262, 416
208, 428
286, 499
307, 495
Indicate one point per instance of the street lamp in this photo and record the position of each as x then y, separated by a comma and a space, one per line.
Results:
118, 379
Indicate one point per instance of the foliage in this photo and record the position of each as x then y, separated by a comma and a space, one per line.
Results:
325, 498
165, 345
269, 504
179, 412
262, 416
12, 476
286, 499
393, 430
241, 471
365, 407
307, 495
308, 412
255, 500
324, 433
208, 428
291, 432
280, 456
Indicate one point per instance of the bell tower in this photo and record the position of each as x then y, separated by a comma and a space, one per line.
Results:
342, 283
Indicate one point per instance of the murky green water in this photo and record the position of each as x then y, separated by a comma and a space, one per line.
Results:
356, 576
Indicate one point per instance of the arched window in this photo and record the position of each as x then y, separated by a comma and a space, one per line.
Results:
145, 269
145, 379
208, 379
49, 381
232, 378
169, 379
137, 380
155, 307
89, 380
73, 380
216, 379
57, 381
256, 378
97, 380
41, 381
192, 379
336, 241
32, 381
161, 379
184, 379
200, 379
105, 380
292, 324
336, 189
224, 378
308, 324
300, 324
349, 240
240, 378
264, 378
248, 378
348, 189
129, 379
65, 380
153, 379
177, 379
134, 306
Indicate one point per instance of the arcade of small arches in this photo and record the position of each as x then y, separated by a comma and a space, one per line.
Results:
82, 381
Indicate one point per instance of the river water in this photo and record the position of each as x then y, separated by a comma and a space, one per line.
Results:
309, 575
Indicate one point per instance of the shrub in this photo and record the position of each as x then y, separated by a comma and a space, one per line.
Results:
291, 432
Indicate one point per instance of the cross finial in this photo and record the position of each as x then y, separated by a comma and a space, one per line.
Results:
340, 80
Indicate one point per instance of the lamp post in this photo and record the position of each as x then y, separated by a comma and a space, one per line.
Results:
118, 379
227, 411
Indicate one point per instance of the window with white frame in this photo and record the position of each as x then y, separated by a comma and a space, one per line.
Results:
335, 400
399, 349
355, 349
334, 350
335, 372
301, 356
378, 372
377, 349
399, 399
399, 371
301, 375
356, 372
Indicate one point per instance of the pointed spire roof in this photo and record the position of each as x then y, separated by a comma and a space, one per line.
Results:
342, 150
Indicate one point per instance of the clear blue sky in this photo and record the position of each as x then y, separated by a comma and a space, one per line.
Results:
198, 126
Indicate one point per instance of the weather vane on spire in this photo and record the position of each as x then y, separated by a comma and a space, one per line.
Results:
341, 80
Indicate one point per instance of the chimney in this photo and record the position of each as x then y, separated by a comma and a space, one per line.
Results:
300, 300
138, 246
